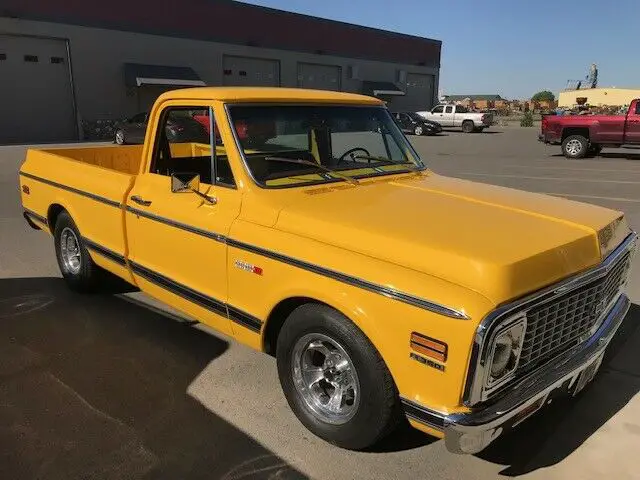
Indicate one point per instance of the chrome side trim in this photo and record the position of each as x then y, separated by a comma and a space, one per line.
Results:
92, 196
105, 252
353, 281
182, 226
217, 306
342, 277
35, 216
212, 304
423, 415
475, 377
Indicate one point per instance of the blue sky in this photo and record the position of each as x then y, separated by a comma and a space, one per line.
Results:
511, 47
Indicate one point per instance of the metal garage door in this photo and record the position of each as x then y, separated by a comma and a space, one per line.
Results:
321, 77
35, 91
248, 71
419, 92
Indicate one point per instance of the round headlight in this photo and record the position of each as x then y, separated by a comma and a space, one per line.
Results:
501, 356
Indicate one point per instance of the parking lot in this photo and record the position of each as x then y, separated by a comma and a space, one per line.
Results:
115, 386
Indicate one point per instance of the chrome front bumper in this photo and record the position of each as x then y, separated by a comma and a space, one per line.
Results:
474, 431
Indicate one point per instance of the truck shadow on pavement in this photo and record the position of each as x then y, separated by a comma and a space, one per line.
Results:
96, 387
558, 430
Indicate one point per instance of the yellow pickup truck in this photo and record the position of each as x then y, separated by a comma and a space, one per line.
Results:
304, 224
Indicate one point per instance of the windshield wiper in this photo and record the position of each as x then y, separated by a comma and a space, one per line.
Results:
386, 161
309, 163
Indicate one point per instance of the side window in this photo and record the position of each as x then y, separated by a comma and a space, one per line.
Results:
438, 109
449, 109
637, 108
184, 146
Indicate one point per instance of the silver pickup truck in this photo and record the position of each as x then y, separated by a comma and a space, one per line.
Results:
458, 116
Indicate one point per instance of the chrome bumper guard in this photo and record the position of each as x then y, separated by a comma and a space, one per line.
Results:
472, 432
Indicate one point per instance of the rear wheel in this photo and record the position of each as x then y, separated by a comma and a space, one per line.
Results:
74, 261
468, 126
334, 379
120, 137
575, 146
418, 130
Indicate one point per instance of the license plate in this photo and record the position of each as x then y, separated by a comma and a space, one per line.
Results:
587, 374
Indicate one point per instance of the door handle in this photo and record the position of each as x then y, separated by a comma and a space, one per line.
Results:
140, 201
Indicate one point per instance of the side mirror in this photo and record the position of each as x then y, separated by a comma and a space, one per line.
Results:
189, 183
185, 182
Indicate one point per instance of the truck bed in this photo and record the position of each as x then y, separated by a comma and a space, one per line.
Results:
124, 159
90, 182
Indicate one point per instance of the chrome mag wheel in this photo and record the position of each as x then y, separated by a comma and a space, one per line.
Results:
325, 378
70, 251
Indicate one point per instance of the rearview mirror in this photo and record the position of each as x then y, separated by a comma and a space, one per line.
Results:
189, 183
185, 182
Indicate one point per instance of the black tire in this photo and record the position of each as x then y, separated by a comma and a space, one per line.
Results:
378, 411
418, 130
575, 146
120, 137
88, 276
468, 126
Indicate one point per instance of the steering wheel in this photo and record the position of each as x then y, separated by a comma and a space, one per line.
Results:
351, 153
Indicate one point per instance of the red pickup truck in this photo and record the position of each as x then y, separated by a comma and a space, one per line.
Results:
582, 135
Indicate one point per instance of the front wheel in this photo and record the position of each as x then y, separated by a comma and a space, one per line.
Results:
418, 130
76, 265
334, 379
575, 146
468, 126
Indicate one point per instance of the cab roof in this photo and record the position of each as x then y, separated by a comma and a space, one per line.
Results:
267, 95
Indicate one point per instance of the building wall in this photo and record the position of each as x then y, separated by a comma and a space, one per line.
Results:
97, 57
599, 96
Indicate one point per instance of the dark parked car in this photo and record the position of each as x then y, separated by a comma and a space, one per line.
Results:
132, 130
411, 122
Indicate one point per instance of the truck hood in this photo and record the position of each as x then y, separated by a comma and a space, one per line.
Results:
499, 242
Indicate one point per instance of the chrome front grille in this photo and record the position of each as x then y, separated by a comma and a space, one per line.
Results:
565, 321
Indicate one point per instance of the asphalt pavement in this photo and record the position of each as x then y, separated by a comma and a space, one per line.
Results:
117, 387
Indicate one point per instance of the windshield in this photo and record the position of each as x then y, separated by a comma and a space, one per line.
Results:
356, 142
416, 117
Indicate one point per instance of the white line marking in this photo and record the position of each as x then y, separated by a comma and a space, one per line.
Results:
559, 179
615, 199
574, 168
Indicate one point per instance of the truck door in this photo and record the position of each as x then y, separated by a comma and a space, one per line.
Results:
632, 124
449, 116
437, 114
177, 248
